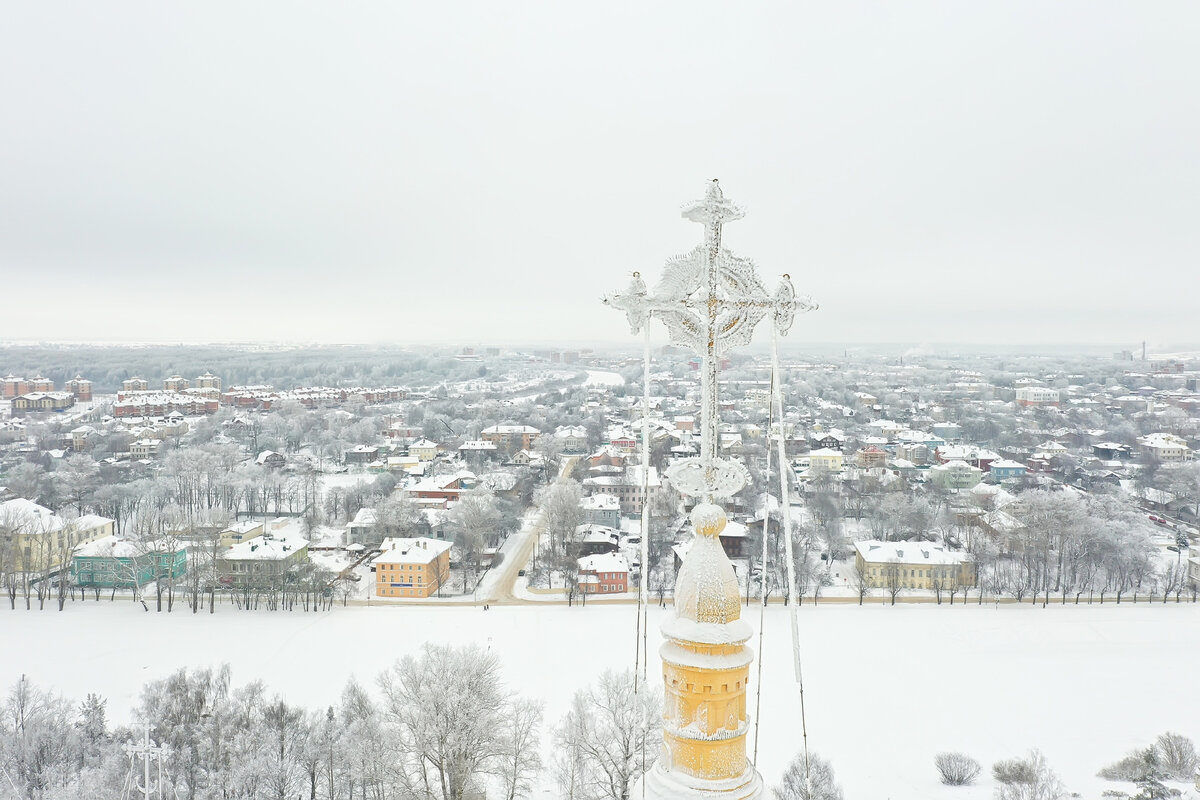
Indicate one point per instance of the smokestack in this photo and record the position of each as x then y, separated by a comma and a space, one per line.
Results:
1143, 349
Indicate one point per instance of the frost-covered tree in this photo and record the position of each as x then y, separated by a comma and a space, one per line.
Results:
1028, 778
808, 778
607, 739
521, 760
37, 742
451, 717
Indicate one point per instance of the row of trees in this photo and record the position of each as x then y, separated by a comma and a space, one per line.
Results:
440, 724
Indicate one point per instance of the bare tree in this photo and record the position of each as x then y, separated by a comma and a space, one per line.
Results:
893, 584
956, 769
860, 581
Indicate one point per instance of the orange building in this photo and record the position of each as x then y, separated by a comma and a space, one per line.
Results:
411, 567
603, 573
81, 387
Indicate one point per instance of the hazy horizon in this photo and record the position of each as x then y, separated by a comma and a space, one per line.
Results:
1010, 174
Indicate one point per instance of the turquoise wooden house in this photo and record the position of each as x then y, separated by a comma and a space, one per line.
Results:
113, 562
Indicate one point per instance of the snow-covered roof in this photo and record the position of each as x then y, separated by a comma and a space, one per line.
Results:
603, 562
601, 502
418, 550
874, 551
26, 516
596, 534
115, 547
496, 429
265, 548
1004, 463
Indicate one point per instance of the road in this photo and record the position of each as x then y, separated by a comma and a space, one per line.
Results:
501, 589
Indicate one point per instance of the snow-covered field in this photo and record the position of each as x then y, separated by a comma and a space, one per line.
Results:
886, 687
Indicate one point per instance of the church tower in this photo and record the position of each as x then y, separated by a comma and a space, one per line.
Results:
706, 672
710, 301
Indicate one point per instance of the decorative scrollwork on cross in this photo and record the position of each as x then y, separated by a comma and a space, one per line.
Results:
711, 301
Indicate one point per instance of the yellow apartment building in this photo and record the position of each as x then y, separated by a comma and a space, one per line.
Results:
913, 565
34, 539
411, 567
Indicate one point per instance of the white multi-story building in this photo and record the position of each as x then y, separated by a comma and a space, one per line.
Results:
1165, 447
1037, 396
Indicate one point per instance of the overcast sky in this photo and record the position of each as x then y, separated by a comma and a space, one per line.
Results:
484, 172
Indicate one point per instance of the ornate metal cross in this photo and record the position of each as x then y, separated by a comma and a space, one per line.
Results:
711, 301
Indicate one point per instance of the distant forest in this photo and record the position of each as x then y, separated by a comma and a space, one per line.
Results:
282, 366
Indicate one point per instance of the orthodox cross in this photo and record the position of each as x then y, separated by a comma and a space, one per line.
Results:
711, 301
148, 752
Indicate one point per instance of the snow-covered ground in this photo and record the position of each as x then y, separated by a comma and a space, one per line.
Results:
886, 687
601, 378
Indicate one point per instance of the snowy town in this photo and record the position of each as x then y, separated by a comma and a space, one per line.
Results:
548, 401
920, 480
1007, 480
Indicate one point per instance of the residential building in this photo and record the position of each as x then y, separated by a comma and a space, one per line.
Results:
871, 456
144, 448
360, 454
602, 509
604, 573
477, 447
361, 529
1165, 447
176, 383
15, 387
627, 487
38, 539
407, 464
591, 539
572, 438
160, 404
828, 440
270, 459
975, 456
80, 387
208, 381
438, 487
113, 562
913, 565
81, 437
414, 567
1004, 470
423, 450
35, 402
826, 458
511, 437
135, 384
955, 475
240, 532
1036, 396
261, 561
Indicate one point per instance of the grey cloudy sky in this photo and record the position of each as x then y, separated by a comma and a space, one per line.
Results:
484, 172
